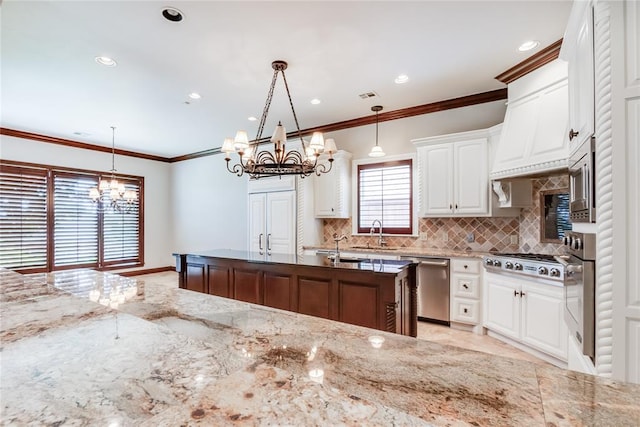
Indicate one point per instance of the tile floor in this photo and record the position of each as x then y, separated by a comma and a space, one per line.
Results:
426, 331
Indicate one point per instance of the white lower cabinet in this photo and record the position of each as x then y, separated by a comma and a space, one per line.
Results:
530, 312
465, 281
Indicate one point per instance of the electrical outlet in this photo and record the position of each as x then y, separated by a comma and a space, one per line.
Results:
423, 236
471, 238
514, 239
445, 236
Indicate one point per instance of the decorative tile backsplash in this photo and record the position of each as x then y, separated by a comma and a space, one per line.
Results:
489, 234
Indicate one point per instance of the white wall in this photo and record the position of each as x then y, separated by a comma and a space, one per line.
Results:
209, 205
158, 243
395, 136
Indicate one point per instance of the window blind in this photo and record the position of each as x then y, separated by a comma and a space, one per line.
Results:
385, 194
121, 232
75, 230
23, 218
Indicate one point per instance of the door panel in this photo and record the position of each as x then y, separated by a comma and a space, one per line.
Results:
359, 304
246, 285
281, 222
195, 278
314, 297
219, 281
277, 291
503, 307
257, 223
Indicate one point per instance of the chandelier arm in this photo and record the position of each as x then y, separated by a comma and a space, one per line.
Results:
293, 110
238, 169
322, 168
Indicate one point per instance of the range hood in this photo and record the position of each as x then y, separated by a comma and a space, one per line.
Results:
534, 135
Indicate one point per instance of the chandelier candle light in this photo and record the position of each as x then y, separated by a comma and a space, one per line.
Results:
259, 164
110, 192
376, 150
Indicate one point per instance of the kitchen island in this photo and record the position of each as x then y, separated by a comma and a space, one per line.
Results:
148, 355
376, 293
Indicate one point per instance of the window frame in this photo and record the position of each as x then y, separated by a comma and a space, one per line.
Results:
355, 185
100, 265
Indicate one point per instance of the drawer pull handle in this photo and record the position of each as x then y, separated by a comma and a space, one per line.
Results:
464, 285
573, 134
465, 310
466, 266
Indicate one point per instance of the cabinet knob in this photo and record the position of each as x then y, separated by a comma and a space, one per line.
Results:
331, 209
464, 285
465, 310
466, 266
573, 134
450, 206
456, 206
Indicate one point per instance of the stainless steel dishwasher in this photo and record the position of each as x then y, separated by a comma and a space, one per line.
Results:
433, 289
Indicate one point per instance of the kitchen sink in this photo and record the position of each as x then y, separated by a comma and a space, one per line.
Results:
375, 248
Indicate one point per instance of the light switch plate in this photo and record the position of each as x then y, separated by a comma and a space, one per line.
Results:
423, 236
514, 239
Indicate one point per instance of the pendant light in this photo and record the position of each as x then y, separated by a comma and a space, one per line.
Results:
376, 150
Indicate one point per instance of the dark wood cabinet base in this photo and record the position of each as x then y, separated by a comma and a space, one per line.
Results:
384, 301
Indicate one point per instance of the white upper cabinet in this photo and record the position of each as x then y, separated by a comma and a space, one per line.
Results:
453, 175
578, 51
332, 191
534, 135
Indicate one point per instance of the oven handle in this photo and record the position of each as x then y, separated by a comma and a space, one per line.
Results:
570, 268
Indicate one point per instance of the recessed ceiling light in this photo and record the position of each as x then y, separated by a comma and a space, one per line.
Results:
315, 101
172, 14
253, 119
194, 95
528, 45
402, 78
106, 61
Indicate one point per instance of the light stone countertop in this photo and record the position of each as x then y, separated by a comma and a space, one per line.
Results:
147, 354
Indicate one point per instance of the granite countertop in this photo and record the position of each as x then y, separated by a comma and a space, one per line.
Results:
400, 251
373, 265
87, 348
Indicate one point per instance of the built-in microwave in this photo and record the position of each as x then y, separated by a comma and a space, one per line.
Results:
582, 206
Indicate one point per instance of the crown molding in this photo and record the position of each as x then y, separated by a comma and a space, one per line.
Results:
77, 144
403, 113
532, 63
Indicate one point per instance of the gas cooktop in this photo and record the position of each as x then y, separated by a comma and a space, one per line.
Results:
539, 265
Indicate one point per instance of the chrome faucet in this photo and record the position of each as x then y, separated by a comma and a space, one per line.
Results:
381, 241
337, 239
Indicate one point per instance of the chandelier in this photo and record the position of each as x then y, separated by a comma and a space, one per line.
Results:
110, 193
259, 164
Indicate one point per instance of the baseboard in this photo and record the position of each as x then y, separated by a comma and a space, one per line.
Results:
539, 354
147, 271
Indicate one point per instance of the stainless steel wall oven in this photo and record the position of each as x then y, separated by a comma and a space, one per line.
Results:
579, 289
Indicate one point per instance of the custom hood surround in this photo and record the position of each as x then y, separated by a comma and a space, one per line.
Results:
533, 139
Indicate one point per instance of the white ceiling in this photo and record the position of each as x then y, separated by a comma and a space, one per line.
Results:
223, 50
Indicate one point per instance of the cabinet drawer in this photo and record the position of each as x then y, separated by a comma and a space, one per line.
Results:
465, 285
465, 265
465, 311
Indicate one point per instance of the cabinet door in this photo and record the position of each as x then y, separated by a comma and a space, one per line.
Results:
278, 290
196, 278
471, 177
325, 194
247, 285
437, 180
257, 226
281, 222
502, 312
581, 82
542, 322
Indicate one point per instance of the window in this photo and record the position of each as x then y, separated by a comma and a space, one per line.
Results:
385, 194
49, 222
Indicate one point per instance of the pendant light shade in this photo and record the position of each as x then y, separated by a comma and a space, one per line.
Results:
376, 150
